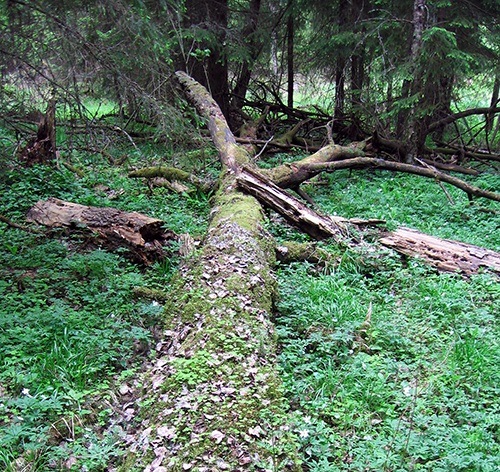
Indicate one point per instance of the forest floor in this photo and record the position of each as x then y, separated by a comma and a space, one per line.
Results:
415, 388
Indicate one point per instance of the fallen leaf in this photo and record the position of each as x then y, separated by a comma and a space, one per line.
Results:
166, 432
218, 436
255, 431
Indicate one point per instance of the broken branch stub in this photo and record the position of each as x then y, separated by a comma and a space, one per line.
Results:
292, 209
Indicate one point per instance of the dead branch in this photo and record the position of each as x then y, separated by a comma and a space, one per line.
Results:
462, 114
372, 162
172, 174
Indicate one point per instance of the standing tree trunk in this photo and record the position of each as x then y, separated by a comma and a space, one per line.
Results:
211, 18
290, 38
413, 129
217, 398
254, 49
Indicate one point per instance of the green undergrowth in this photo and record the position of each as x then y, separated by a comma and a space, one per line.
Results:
71, 330
389, 365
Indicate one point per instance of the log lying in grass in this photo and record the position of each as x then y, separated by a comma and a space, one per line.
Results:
213, 400
109, 227
444, 254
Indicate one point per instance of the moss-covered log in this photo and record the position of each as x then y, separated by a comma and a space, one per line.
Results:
172, 174
213, 399
292, 174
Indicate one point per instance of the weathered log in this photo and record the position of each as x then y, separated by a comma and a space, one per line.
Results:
451, 167
109, 227
444, 254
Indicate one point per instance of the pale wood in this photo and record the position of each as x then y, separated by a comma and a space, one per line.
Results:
291, 208
444, 254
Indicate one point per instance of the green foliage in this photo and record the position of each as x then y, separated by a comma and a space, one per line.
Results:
408, 200
69, 325
417, 387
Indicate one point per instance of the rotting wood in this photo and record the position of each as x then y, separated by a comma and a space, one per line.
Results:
292, 209
109, 227
42, 148
444, 254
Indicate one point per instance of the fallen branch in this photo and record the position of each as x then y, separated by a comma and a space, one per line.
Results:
173, 175
461, 114
371, 162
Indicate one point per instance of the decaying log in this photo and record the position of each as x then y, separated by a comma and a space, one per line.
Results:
292, 209
215, 386
291, 251
109, 227
444, 254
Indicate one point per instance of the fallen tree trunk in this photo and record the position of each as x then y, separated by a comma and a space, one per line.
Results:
444, 254
142, 235
214, 393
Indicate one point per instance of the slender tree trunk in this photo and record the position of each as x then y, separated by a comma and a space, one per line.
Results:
290, 38
413, 130
494, 100
254, 48
339, 88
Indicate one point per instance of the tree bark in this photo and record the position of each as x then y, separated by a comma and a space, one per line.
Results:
216, 396
42, 149
290, 67
254, 49
211, 71
414, 131
297, 213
